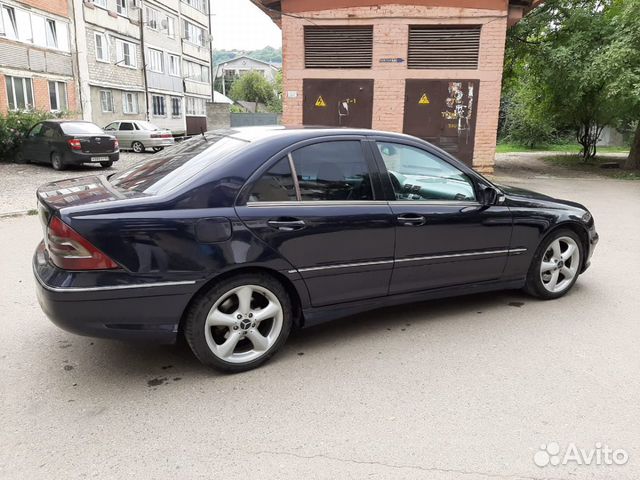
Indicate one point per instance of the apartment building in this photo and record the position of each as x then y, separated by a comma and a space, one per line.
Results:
145, 60
36, 60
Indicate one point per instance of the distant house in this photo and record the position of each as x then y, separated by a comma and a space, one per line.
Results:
236, 67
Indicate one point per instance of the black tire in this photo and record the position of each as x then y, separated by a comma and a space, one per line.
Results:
106, 164
194, 330
19, 158
138, 147
535, 285
56, 161
158, 149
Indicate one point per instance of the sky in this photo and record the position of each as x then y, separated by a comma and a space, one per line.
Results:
239, 24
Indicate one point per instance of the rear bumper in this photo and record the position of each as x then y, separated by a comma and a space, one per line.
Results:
159, 142
148, 311
75, 158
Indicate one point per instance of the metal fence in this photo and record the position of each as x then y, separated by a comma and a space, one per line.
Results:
254, 119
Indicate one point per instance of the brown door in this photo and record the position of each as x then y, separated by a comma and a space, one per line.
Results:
196, 125
338, 103
443, 112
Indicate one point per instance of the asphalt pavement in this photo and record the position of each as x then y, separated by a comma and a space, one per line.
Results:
469, 388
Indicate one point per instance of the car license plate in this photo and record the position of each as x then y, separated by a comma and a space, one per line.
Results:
99, 159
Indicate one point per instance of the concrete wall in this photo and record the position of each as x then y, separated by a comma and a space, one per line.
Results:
391, 40
218, 115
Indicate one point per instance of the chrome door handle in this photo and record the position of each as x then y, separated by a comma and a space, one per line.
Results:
411, 220
286, 225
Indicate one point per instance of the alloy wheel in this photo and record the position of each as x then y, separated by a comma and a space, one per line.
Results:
137, 147
560, 264
243, 324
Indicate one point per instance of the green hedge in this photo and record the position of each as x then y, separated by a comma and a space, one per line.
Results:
15, 125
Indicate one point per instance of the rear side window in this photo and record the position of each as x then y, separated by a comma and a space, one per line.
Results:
80, 128
276, 185
176, 164
333, 171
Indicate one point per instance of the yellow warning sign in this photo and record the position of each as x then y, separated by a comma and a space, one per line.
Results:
424, 100
320, 102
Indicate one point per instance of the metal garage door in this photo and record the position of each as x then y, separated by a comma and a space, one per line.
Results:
443, 112
338, 103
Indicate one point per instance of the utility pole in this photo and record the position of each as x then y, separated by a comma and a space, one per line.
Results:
144, 64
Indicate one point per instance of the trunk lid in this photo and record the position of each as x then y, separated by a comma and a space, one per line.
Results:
80, 191
96, 143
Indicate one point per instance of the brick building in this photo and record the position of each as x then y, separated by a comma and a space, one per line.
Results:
431, 68
36, 61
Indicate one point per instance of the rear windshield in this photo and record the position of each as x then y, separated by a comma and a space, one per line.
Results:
81, 128
176, 164
147, 126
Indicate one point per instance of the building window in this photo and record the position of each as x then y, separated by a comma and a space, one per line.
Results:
176, 107
100, 3
338, 47
174, 65
153, 18
58, 96
52, 35
25, 26
102, 48
19, 93
193, 34
171, 27
431, 47
10, 23
159, 107
195, 71
196, 106
106, 101
197, 4
121, 7
155, 60
129, 103
126, 54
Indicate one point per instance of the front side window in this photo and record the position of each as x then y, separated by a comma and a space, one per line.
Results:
130, 103
276, 185
418, 175
36, 131
58, 96
159, 108
335, 171
113, 126
106, 101
19, 93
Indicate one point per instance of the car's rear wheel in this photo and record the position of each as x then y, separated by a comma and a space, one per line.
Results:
19, 158
240, 323
556, 265
106, 164
158, 149
137, 147
56, 161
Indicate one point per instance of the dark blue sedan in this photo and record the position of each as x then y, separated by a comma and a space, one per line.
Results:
234, 237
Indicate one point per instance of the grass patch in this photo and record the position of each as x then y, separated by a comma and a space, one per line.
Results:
506, 147
32, 211
575, 162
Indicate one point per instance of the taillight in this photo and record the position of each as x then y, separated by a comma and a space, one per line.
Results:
161, 135
74, 144
70, 251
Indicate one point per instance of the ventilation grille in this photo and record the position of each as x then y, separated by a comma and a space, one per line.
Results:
444, 47
338, 47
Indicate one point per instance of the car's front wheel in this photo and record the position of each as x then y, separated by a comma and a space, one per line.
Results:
158, 149
240, 323
56, 161
137, 147
106, 164
556, 265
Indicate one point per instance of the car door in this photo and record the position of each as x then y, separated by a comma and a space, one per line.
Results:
113, 129
319, 206
444, 235
125, 134
31, 144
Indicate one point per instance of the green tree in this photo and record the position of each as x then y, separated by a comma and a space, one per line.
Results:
253, 87
564, 64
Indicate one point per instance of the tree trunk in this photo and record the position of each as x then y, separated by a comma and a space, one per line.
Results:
633, 160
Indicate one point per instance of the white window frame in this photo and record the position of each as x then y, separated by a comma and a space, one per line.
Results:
104, 95
33, 28
190, 69
105, 48
187, 35
134, 104
179, 103
100, 3
162, 101
190, 107
23, 84
50, 26
171, 26
58, 97
121, 8
199, 5
121, 57
173, 67
155, 57
153, 18
9, 16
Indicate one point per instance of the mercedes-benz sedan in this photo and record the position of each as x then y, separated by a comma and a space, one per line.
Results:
234, 237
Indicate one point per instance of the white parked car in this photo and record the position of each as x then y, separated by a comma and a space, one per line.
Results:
138, 135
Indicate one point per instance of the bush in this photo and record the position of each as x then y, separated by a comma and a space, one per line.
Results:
13, 128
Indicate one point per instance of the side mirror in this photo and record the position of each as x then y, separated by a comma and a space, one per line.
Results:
489, 196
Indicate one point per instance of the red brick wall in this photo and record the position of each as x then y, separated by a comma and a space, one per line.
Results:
59, 7
391, 40
41, 95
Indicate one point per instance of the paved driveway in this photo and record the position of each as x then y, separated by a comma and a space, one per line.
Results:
460, 389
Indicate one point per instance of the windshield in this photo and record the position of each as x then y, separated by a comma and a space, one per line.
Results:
147, 126
81, 128
177, 164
